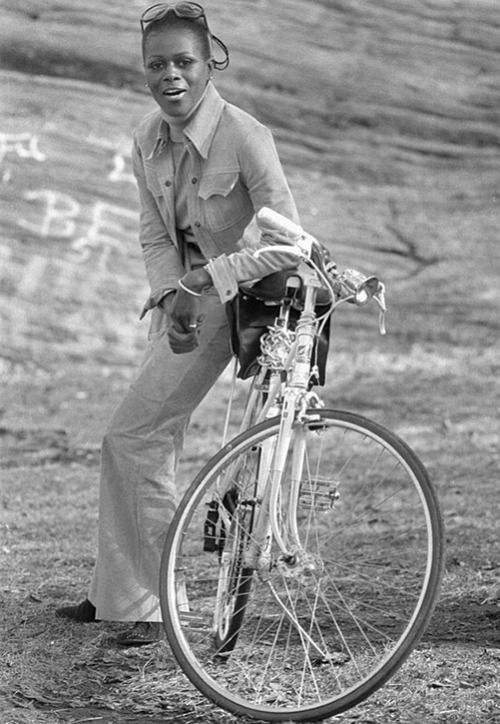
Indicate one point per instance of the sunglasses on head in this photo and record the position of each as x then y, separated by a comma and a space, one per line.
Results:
186, 11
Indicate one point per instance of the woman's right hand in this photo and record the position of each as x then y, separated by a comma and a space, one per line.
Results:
184, 319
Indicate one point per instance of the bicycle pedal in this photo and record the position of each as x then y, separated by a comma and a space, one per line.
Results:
193, 620
319, 493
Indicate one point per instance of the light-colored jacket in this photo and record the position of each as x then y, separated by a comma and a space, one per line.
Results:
234, 171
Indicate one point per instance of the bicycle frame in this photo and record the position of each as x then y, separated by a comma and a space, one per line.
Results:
296, 399
311, 544
292, 398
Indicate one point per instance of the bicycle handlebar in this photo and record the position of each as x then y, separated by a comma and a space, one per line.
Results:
269, 220
349, 285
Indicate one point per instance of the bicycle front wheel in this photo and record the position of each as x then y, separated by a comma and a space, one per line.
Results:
302, 642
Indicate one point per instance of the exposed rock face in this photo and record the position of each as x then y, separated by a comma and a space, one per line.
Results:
387, 119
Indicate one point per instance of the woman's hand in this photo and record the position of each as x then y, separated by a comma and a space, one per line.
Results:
180, 342
184, 313
185, 319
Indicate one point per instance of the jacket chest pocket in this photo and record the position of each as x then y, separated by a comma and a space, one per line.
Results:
225, 201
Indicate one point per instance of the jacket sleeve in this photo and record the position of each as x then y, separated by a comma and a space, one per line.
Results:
161, 257
263, 177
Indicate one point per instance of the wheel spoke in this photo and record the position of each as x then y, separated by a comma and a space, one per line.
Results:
308, 635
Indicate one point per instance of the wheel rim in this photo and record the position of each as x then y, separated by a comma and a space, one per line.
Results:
367, 515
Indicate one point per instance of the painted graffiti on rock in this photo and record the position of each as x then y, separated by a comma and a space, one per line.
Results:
88, 255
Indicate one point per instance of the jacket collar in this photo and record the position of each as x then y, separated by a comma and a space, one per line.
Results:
200, 129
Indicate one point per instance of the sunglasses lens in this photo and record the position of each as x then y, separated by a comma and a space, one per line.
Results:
191, 11
188, 10
152, 13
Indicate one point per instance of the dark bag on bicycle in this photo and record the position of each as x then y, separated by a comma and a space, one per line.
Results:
253, 310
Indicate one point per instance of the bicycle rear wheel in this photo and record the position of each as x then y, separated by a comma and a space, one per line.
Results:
308, 641
235, 578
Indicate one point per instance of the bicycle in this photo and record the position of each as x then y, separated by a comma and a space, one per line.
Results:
304, 561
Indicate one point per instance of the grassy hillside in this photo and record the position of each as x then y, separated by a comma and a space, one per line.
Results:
427, 69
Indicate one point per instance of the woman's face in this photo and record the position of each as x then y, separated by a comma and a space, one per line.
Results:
176, 71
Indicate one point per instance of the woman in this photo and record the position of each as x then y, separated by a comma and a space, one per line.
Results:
203, 168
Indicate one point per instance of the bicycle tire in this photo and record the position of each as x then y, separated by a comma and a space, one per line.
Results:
369, 514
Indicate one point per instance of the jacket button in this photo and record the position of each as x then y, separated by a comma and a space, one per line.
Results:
168, 183
197, 224
194, 180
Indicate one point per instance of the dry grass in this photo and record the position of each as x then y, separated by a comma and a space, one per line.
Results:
57, 671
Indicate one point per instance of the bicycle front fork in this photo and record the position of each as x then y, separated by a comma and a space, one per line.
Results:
275, 536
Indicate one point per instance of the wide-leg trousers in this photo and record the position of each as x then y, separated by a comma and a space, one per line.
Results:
140, 453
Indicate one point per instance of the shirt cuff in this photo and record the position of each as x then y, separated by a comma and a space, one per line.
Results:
223, 278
